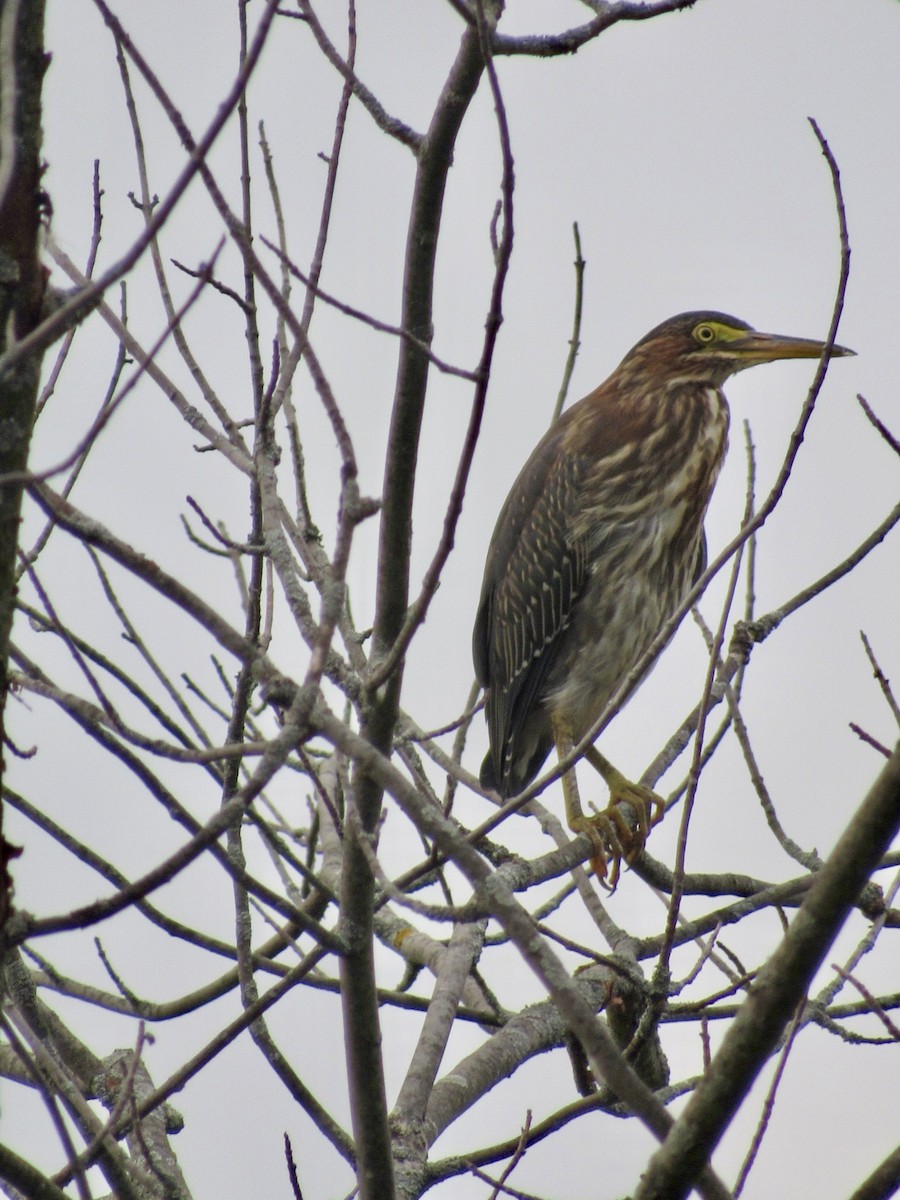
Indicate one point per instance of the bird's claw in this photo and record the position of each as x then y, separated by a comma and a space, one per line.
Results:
612, 840
617, 837
649, 807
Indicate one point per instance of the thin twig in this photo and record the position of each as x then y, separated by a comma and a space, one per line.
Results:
893, 442
383, 669
575, 340
366, 318
77, 308
883, 682
766, 1114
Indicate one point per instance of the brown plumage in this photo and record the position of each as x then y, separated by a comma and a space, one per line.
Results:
601, 537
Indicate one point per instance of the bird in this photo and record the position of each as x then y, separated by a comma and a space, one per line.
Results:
597, 545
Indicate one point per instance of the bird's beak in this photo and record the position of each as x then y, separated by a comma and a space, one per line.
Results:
753, 348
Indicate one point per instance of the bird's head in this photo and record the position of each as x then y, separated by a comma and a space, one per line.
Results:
708, 347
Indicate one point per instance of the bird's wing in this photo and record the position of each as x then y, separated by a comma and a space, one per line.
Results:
702, 558
534, 574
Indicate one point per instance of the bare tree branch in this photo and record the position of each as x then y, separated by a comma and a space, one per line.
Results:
780, 985
328, 855
22, 283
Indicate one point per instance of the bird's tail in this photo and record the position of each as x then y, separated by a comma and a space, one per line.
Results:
488, 775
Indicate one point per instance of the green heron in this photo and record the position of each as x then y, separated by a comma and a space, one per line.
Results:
598, 543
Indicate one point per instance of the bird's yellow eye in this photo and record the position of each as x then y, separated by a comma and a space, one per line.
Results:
704, 334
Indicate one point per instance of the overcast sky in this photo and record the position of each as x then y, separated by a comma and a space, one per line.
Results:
682, 148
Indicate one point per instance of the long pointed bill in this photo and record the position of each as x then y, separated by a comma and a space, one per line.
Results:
755, 348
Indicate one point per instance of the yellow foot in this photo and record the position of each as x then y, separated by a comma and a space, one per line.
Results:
615, 835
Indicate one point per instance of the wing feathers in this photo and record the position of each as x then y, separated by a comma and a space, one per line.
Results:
534, 575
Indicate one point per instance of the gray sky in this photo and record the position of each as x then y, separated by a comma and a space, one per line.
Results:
681, 147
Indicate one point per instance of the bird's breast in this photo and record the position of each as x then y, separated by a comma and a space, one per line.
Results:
662, 478
642, 526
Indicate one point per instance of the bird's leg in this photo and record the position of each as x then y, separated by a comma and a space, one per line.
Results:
649, 807
610, 831
604, 829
